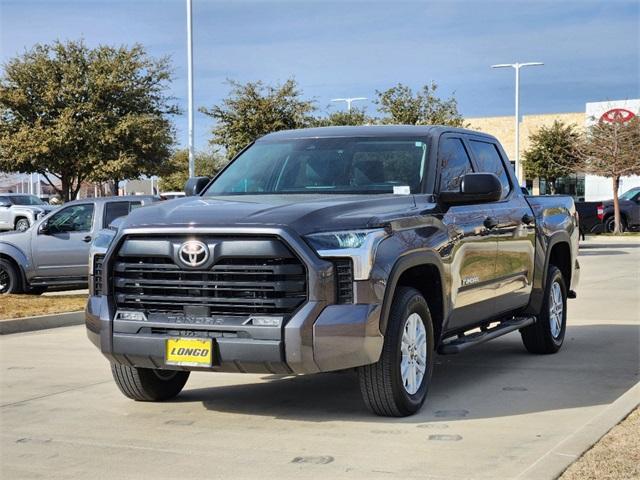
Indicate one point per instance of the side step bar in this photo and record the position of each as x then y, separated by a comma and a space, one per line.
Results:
463, 341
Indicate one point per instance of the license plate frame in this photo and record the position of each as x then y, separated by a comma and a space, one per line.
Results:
189, 352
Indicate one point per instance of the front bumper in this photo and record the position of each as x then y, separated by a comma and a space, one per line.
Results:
317, 338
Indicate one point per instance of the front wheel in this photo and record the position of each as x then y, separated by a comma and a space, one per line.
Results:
9, 278
147, 384
397, 385
547, 334
22, 225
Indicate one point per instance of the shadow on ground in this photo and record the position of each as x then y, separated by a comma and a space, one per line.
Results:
597, 364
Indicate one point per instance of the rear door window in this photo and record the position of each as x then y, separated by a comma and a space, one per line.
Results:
489, 161
113, 210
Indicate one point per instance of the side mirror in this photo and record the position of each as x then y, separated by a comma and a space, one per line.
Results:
43, 229
5, 203
195, 185
475, 188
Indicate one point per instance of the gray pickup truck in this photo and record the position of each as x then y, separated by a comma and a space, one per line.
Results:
19, 211
56, 251
326, 249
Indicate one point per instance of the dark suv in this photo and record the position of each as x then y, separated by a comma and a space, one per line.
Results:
326, 249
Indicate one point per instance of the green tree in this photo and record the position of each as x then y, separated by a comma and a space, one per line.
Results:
78, 114
401, 105
610, 149
355, 116
552, 153
206, 164
254, 109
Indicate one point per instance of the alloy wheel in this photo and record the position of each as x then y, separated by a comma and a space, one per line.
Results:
413, 365
556, 310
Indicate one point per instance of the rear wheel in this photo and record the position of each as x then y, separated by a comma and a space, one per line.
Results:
397, 385
610, 224
9, 278
147, 384
22, 224
547, 334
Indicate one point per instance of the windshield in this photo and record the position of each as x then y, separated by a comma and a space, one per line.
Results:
325, 165
25, 200
629, 194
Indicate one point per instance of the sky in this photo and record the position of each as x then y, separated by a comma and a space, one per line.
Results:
591, 49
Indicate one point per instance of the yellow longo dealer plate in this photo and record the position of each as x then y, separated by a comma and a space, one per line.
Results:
194, 352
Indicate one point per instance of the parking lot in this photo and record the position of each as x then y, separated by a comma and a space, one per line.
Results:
493, 412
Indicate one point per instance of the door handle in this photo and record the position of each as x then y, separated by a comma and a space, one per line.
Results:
528, 218
87, 239
490, 222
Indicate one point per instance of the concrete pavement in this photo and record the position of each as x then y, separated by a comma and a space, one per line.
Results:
493, 412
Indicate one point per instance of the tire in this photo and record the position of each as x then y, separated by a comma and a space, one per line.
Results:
610, 224
22, 224
148, 385
10, 281
546, 335
385, 390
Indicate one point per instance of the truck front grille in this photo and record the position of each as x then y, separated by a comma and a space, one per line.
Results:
247, 276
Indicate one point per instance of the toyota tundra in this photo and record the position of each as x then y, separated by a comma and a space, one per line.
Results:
369, 248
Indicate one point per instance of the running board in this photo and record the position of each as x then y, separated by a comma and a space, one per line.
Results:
463, 342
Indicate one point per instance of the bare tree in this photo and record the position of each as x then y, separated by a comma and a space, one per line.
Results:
612, 150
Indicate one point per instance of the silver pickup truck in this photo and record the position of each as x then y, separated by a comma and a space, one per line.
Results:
56, 251
19, 211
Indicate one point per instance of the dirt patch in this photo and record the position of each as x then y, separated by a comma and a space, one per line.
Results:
616, 456
18, 306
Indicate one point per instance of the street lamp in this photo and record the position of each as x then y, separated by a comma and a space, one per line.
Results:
517, 67
190, 88
348, 100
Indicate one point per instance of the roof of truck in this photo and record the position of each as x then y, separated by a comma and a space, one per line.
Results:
368, 131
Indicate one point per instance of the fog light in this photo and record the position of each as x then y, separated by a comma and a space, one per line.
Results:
128, 315
265, 321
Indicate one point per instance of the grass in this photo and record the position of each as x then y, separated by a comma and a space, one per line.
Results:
616, 456
624, 234
17, 306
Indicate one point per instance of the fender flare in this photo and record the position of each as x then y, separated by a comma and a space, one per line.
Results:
404, 263
540, 278
12, 252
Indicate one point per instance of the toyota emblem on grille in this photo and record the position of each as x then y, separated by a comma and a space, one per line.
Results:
193, 253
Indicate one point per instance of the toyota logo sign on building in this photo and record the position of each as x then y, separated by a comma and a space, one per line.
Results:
617, 115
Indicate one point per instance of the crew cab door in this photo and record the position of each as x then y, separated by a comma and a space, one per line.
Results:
515, 231
61, 250
471, 254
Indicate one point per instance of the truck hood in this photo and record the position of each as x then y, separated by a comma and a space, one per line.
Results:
17, 239
302, 213
33, 208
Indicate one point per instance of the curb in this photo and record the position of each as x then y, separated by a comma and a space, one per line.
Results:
553, 463
42, 322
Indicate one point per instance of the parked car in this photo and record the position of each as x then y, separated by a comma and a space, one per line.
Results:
590, 217
56, 251
629, 211
20, 211
333, 248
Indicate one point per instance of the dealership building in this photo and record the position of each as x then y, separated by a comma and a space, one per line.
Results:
581, 186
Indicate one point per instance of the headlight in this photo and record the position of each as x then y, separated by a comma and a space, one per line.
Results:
359, 245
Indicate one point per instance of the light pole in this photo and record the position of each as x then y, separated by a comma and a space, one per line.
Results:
190, 88
517, 67
349, 101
